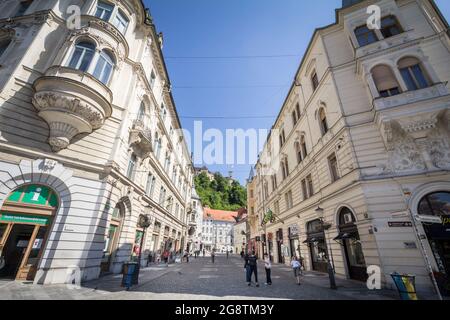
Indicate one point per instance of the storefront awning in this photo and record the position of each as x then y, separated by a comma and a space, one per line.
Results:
311, 240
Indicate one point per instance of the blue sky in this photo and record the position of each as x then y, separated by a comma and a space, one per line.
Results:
228, 87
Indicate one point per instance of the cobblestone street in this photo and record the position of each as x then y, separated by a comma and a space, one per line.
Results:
200, 279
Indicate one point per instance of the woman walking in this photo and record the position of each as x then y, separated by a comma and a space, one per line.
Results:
296, 266
251, 267
268, 267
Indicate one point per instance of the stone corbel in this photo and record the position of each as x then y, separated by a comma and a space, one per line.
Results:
419, 126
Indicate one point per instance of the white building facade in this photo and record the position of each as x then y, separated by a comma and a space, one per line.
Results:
89, 140
361, 146
195, 223
217, 230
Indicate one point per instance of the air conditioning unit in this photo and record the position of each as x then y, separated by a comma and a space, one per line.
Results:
348, 218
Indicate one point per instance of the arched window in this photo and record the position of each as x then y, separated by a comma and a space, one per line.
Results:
104, 67
4, 44
412, 73
435, 204
314, 81
323, 121
298, 152
82, 56
385, 81
365, 36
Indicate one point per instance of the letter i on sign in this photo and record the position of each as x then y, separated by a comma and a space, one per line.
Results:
36, 194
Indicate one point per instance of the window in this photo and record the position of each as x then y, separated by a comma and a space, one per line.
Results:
298, 152
274, 182
323, 121
266, 189
385, 81
163, 112
294, 117
141, 112
288, 199
82, 56
121, 22
412, 73
162, 196
309, 183
276, 207
365, 36
152, 79
314, 81
150, 184
131, 165
297, 108
104, 10
104, 67
251, 193
167, 162
303, 147
304, 190
4, 44
390, 27
332, 161
282, 138
23, 7
285, 168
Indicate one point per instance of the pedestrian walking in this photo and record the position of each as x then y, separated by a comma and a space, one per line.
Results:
227, 254
268, 267
296, 266
242, 254
186, 255
213, 255
204, 251
251, 268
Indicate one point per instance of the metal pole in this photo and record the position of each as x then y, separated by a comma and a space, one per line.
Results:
330, 267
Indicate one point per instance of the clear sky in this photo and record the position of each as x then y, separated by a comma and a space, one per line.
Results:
246, 53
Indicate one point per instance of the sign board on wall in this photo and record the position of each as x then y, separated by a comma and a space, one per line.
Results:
26, 218
399, 224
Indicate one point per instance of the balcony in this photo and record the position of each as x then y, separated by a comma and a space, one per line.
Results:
141, 138
71, 102
435, 91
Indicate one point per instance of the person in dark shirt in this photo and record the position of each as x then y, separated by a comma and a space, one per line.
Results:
251, 267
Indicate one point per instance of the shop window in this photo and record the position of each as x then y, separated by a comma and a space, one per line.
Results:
385, 81
314, 81
365, 36
104, 67
23, 7
435, 204
390, 27
82, 56
104, 10
412, 73
4, 44
323, 121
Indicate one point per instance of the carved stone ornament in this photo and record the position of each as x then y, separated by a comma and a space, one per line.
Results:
71, 102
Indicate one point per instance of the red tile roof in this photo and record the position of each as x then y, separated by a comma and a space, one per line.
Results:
219, 215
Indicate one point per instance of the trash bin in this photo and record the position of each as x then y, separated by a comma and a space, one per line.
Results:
406, 285
130, 274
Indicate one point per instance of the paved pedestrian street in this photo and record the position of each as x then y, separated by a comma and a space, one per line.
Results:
200, 279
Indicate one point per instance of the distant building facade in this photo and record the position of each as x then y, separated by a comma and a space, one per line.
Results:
218, 229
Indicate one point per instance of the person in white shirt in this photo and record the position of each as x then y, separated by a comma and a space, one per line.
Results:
268, 267
296, 266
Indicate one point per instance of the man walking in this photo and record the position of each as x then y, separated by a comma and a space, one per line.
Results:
213, 255
268, 267
296, 266
204, 253
227, 254
251, 268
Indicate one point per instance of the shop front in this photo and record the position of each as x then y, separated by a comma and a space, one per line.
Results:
348, 237
317, 245
438, 234
25, 220
112, 238
280, 246
294, 241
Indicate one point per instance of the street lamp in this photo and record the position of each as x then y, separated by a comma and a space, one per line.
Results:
330, 268
143, 222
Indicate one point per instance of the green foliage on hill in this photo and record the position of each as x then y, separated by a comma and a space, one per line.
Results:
219, 193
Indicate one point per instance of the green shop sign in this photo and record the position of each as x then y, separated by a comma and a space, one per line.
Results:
6, 217
269, 217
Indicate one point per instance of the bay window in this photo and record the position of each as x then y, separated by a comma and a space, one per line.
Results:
82, 56
412, 73
104, 67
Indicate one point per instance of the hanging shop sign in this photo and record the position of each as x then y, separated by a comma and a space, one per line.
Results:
268, 217
293, 230
399, 224
26, 219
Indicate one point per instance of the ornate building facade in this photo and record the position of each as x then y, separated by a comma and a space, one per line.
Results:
356, 170
89, 140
